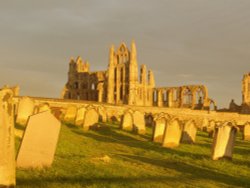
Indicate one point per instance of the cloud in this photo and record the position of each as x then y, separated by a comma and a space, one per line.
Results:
183, 42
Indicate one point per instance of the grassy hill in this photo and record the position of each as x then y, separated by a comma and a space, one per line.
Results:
110, 157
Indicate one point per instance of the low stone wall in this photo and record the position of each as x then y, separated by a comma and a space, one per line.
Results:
118, 110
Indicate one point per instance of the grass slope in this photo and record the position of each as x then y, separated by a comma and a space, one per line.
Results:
136, 162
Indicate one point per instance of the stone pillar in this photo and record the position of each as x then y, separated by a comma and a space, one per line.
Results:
111, 76
159, 98
143, 80
7, 145
223, 142
100, 92
170, 98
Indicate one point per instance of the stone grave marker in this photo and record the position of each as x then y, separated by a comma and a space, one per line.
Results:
223, 142
189, 132
159, 129
172, 134
25, 109
139, 122
80, 116
127, 122
7, 145
246, 132
91, 119
70, 115
39, 142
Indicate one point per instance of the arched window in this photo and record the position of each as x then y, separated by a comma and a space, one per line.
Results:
76, 85
92, 86
175, 95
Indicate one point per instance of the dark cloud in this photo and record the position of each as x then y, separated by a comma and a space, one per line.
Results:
184, 42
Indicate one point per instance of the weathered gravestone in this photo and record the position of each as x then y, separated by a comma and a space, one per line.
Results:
127, 121
149, 120
211, 128
39, 143
25, 109
246, 132
43, 107
223, 142
80, 116
102, 114
70, 115
189, 132
172, 134
139, 122
159, 128
204, 124
91, 119
7, 146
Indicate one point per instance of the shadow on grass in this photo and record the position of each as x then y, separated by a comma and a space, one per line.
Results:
20, 127
85, 181
190, 171
108, 135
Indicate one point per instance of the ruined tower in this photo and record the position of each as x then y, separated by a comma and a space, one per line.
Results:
133, 75
111, 74
121, 84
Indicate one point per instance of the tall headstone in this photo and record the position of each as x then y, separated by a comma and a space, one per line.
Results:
172, 134
39, 142
7, 145
246, 132
189, 132
223, 142
25, 109
91, 119
127, 121
80, 116
139, 122
70, 114
159, 128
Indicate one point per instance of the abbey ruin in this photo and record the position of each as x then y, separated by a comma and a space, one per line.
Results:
121, 96
122, 83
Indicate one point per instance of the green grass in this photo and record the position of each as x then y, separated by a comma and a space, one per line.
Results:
136, 162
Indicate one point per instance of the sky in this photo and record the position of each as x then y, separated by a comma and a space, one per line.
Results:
183, 41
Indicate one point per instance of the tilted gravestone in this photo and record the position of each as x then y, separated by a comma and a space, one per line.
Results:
80, 116
91, 119
39, 142
159, 128
246, 132
224, 140
189, 132
7, 145
211, 128
172, 134
70, 115
139, 122
25, 109
127, 122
